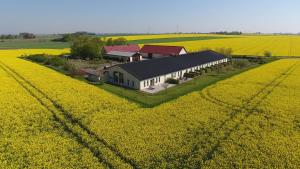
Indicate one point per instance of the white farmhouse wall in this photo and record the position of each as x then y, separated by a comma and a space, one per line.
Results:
144, 55
182, 52
127, 78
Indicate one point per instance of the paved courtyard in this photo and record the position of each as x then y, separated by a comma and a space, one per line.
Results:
161, 87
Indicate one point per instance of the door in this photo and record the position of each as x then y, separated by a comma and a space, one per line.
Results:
150, 55
152, 82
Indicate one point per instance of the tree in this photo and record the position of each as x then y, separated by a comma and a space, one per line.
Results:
109, 42
267, 54
120, 41
27, 35
64, 38
226, 52
9, 36
85, 47
116, 42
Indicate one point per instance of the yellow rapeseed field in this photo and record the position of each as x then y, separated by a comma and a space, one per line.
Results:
251, 120
256, 45
249, 45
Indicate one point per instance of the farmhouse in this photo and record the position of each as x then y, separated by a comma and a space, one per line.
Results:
155, 72
124, 53
156, 51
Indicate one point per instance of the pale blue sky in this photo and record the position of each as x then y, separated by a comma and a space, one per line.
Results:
153, 16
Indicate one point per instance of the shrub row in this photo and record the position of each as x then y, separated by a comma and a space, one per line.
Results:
172, 81
47, 60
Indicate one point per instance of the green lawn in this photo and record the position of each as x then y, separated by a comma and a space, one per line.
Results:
39, 43
175, 39
151, 100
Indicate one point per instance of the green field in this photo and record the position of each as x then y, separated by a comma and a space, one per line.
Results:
39, 43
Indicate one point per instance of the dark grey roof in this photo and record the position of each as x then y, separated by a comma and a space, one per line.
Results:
156, 67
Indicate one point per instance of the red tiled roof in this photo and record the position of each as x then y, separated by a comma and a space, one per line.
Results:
163, 50
122, 48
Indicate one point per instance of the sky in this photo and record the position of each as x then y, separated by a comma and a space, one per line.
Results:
149, 16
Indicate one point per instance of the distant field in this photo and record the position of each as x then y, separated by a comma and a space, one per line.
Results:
241, 45
174, 39
32, 44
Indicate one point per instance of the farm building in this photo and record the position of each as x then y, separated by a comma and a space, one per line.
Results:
155, 72
124, 56
125, 53
121, 48
91, 74
156, 51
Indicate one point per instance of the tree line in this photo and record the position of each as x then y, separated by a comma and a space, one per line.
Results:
228, 33
23, 35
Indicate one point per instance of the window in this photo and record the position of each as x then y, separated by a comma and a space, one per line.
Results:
173, 75
159, 79
147, 83
144, 83
127, 82
132, 83
121, 78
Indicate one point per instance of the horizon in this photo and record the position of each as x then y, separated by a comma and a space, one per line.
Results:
131, 17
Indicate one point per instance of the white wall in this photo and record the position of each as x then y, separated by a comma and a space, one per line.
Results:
127, 77
182, 52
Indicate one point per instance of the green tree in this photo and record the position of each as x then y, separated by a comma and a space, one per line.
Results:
85, 47
267, 54
109, 42
226, 52
26, 35
120, 41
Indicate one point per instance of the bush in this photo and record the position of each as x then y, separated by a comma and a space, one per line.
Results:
38, 58
267, 54
189, 75
72, 68
172, 81
55, 61
240, 63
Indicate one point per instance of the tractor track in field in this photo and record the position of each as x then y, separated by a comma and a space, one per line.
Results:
73, 126
247, 109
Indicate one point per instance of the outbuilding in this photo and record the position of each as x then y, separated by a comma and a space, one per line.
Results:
124, 56
124, 53
157, 51
91, 75
121, 48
